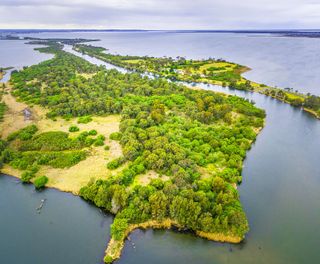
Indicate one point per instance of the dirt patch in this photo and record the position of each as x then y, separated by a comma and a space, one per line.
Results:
14, 118
145, 179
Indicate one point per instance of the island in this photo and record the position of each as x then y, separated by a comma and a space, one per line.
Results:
152, 152
212, 71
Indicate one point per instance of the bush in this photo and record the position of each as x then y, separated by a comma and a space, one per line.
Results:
51, 141
108, 259
27, 176
40, 182
93, 132
102, 137
116, 136
99, 142
107, 148
68, 159
89, 141
55, 159
84, 119
74, 129
24, 133
118, 228
116, 163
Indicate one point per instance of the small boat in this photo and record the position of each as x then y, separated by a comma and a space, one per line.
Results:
41, 205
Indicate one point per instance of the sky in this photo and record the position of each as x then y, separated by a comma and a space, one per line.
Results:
159, 14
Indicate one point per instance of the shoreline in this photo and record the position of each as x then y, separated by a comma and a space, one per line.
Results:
115, 247
264, 90
67, 179
2, 73
7, 173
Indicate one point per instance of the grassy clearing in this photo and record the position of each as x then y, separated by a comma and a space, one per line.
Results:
86, 75
14, 119
73, 178
145, 179
134, 61
94, 166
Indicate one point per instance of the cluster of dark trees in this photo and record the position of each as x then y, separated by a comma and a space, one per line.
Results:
165, 127
313, 102
168, 67
210, 206
3, 108
309, 101
172, 69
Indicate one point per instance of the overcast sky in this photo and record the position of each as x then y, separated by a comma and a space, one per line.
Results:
160, 14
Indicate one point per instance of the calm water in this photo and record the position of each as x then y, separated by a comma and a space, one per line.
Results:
280, 189
278, 61
68, 230
16, 54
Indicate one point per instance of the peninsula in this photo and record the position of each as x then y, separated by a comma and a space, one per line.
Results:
212, 71
154, 153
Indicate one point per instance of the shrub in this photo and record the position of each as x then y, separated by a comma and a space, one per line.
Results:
102, 137
40, 182
55, 159
93, 132
50, 141
27, 176
84, 119
99, 142
116, 136
89, 141
66, 160
116, 163
118, 228
74, 129
108, 259
24, 133
107, 148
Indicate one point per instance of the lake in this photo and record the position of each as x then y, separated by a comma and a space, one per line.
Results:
281, 175
279, 61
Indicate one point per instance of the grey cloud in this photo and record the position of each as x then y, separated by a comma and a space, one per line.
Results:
159, 14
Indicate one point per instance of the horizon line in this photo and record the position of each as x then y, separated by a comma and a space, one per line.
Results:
175, 30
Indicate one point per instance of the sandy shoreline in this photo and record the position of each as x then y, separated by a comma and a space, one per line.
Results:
115, 247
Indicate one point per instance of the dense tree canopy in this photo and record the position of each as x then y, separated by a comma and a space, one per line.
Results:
197, 138
215, 71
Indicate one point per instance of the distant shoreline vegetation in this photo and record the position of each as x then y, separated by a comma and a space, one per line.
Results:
213, 71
